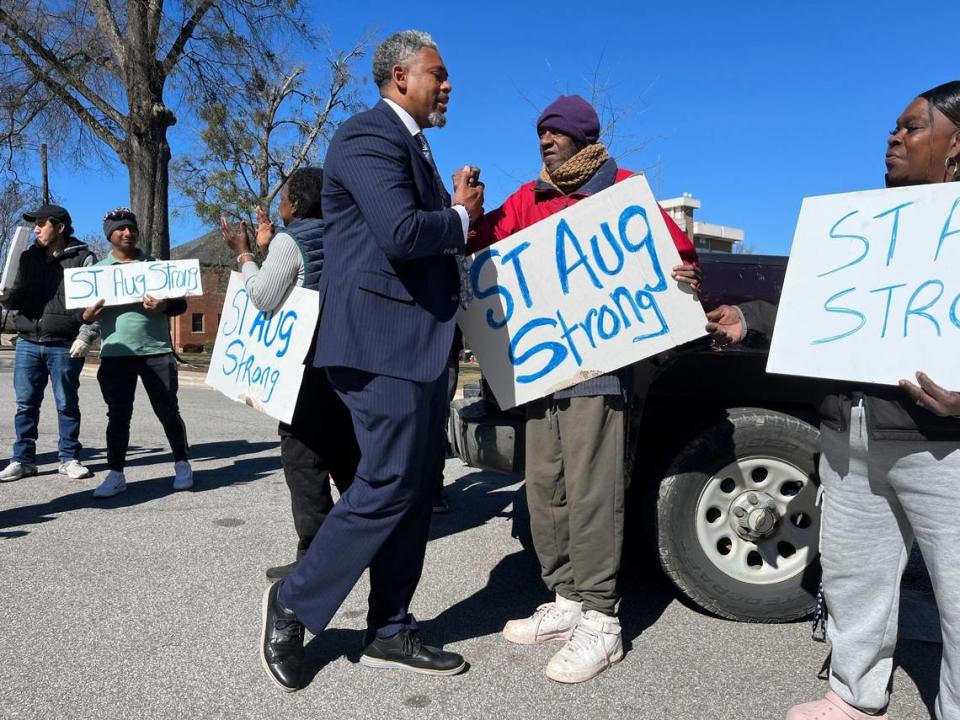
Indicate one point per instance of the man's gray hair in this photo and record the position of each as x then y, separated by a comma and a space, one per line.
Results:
396, 50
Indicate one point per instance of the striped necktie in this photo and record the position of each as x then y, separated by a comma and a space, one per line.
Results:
425, 149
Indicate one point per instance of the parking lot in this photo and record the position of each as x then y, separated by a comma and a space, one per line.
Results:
146, 605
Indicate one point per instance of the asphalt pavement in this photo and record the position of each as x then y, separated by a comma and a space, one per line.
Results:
147, 605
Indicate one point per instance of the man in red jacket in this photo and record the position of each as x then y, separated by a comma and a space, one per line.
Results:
575, 437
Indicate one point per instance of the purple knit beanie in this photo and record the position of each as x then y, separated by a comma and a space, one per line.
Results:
573, 116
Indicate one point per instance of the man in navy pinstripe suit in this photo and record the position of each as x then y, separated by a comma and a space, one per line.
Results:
388, 297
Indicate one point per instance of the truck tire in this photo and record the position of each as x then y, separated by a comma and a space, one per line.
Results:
737, 519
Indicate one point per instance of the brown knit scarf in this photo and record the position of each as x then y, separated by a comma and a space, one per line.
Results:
577, 170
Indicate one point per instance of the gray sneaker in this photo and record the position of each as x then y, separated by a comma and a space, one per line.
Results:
16, 470
74, 470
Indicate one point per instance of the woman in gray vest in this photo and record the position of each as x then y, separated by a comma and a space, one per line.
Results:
319, 442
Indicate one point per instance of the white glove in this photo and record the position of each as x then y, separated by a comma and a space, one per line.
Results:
79, 348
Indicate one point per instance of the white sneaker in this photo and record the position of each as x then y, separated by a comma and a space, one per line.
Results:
183, 475
74, 470
594, 646
114, 483
16, 470
551, 621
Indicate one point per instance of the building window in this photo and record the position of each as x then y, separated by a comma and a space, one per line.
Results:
196, 323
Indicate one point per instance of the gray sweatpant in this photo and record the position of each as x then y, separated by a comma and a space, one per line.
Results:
575, 486
879, 496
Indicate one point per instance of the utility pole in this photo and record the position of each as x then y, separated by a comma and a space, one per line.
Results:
43, 171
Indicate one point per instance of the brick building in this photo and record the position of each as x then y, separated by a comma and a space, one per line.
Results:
200, 322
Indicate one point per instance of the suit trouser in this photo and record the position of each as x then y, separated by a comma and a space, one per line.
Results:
879, 496
319, 443
382, 521
575, 487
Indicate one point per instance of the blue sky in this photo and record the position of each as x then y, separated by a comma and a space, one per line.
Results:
748, 106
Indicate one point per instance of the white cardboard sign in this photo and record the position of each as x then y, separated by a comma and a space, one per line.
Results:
125, 283
872, 291
258, 356
579, 294
15, 248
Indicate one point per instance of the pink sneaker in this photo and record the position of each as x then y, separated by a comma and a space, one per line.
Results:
832, 707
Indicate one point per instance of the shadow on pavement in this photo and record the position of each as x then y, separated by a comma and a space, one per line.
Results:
241, 471
921, 661
329, 646
474, 499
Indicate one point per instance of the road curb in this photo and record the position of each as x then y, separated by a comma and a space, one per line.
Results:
193, 378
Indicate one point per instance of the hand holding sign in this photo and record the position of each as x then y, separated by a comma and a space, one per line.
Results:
155, 304
689, 275
94, 311
932, 397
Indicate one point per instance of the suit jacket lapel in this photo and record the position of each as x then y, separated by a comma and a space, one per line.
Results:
402, 129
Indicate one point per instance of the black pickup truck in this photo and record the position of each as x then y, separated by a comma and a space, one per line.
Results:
721, 460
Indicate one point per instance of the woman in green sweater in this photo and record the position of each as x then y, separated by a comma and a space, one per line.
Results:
136, 344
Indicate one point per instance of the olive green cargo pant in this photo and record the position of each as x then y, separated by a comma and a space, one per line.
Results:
575, 486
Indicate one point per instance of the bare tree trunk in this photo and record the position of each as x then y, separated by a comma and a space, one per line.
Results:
148, 170
146, 150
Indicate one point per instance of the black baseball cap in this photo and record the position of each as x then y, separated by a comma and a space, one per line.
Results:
54, 212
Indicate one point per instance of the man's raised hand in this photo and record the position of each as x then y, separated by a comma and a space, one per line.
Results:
468, 191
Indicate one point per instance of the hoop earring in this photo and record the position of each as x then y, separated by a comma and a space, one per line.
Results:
951, 166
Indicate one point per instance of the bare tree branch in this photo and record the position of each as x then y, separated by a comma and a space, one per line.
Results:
186, 32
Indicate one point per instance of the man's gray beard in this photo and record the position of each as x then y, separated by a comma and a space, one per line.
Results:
437, 119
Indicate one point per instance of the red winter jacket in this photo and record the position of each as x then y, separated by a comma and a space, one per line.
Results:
537, 200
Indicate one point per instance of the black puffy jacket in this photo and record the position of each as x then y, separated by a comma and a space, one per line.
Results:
38, 295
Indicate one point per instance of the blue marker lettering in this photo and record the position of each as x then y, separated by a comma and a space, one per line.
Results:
842, 311
595, 247
557, 351
833, 234
946, 232
896, 225
920, 310
495, 289
886, 311
645, 244
563, 270
514, 257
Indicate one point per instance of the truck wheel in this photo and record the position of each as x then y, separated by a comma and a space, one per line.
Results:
737, 519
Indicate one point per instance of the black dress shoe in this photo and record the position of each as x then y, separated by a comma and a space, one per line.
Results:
281, 647
281, 571
441, 504
406, 651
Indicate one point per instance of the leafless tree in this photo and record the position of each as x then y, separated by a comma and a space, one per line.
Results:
95, 77
256, 134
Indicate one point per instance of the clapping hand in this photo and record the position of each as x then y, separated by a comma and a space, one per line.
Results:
265, 228
931, 396
236, 238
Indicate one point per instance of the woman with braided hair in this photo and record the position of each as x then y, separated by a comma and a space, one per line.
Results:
890, 470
